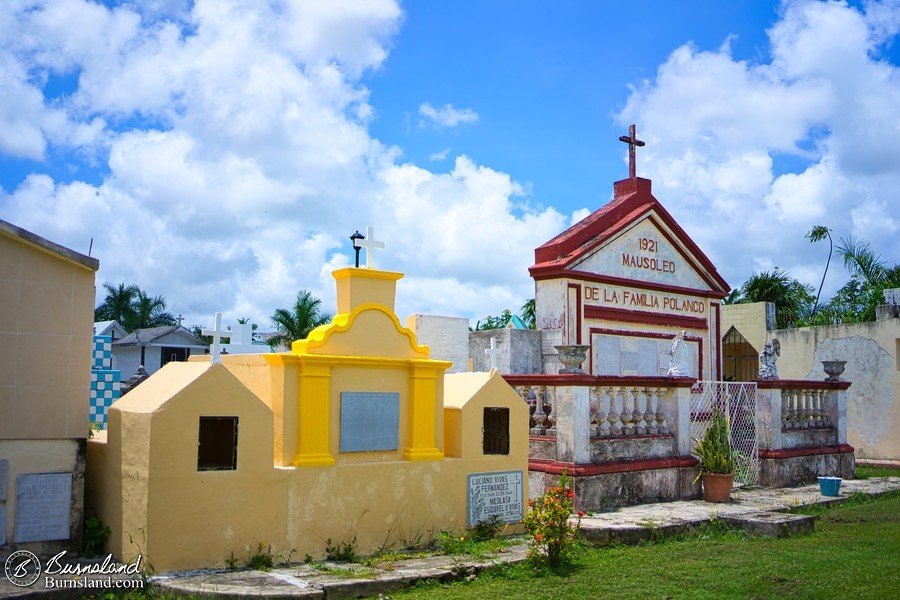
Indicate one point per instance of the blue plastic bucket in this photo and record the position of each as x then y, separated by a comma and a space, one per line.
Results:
830, 486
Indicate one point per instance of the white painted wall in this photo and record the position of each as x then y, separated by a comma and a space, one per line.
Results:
447, 337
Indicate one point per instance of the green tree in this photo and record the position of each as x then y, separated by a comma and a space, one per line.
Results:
118, 304
792, 299
527, 313
296, 323
150, 312
817, 234
491, 322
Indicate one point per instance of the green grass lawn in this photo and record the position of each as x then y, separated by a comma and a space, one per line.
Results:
866, 471
854, 553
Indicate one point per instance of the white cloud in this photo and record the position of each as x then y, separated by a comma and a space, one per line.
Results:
720, 131
438, 156
257, 163
446, 116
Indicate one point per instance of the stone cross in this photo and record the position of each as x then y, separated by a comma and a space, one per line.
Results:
493, 352
179, 319
369, 244
632, 141
217, 334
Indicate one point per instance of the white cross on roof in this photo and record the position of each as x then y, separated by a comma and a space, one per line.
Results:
217, 334
369, 244
493, 352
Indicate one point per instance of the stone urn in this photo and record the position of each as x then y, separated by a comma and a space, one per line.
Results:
572, 358
833, 368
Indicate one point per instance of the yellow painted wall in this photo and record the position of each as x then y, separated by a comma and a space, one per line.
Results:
749, 320
144, 474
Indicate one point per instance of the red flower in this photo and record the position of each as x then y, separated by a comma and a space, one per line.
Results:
580, 513
538, 537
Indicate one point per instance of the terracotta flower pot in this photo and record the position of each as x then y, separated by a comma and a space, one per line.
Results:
717, 486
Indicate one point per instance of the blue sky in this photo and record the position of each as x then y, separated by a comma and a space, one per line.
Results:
221, 152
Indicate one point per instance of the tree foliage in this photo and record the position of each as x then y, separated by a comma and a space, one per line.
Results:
296, 323
792, 299
133, 308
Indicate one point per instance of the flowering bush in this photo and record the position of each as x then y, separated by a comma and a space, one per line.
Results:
548, 523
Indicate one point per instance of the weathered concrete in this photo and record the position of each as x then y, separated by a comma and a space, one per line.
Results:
773, 524
777, 472
520, 350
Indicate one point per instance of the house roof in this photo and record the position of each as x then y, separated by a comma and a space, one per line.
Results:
153, 336
46, 245
102, 327
632, 202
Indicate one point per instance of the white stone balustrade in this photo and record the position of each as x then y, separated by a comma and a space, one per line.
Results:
788, 407
576, 408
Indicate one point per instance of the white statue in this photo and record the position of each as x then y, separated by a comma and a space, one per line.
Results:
771, 352
679, 363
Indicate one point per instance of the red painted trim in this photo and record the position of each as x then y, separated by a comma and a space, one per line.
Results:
539, 272
780, 453
632, 200
640, 316
577, 288
587, 380
718, 374
555, 467
801, 384
653, 334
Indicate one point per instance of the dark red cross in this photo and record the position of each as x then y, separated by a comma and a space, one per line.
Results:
632, 141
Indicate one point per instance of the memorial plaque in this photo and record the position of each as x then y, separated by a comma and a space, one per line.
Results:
649, 350
2, 524
43, 507
370, 421
495, 494
630, 363
4, 479
609, 355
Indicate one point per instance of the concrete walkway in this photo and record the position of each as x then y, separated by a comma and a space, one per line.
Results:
757, 509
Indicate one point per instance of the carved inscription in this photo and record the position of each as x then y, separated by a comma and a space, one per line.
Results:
43, 506
642, 299
495, 494
647, 261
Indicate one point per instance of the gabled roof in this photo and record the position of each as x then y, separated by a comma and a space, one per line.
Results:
154, 335
105, 327
632, 202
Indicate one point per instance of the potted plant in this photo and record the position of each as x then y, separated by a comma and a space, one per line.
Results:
717, 460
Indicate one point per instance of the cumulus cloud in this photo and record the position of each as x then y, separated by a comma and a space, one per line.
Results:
766, 150
446, 116
238, 157
436, 156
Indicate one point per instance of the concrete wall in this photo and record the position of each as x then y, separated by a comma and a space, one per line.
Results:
754, 321
873, 400
520, 350
46, 330
446, 337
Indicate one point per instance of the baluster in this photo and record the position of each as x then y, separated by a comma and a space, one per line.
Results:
661, 424
602, 423
594, 407
649, 416
613, 417
823, 415
551, 417
785, 409
625, 416
522, 391
795, 409
539, 414
636, 415
804, 409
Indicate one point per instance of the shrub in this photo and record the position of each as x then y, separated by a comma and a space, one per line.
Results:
547, 522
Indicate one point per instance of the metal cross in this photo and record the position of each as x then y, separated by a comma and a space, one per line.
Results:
493, 352
632, 141
369, 244
217, 334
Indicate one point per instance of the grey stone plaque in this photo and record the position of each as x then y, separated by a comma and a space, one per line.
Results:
649, 350
370, 421
609, 355
2, 525
630, 363
43, 507
4, 479
495, 494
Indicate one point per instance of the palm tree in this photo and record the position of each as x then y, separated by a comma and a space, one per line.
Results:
791, 298
861, 260
118, 304
527, 314
816, 234
151, 312
296, 324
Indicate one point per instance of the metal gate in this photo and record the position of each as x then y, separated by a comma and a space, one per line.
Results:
738, 402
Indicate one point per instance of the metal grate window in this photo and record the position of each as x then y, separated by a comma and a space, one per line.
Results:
495, 431
217, 444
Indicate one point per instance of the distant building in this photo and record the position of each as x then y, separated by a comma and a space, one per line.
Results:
154, 347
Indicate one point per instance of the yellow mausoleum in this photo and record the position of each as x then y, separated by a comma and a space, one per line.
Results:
355, 434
